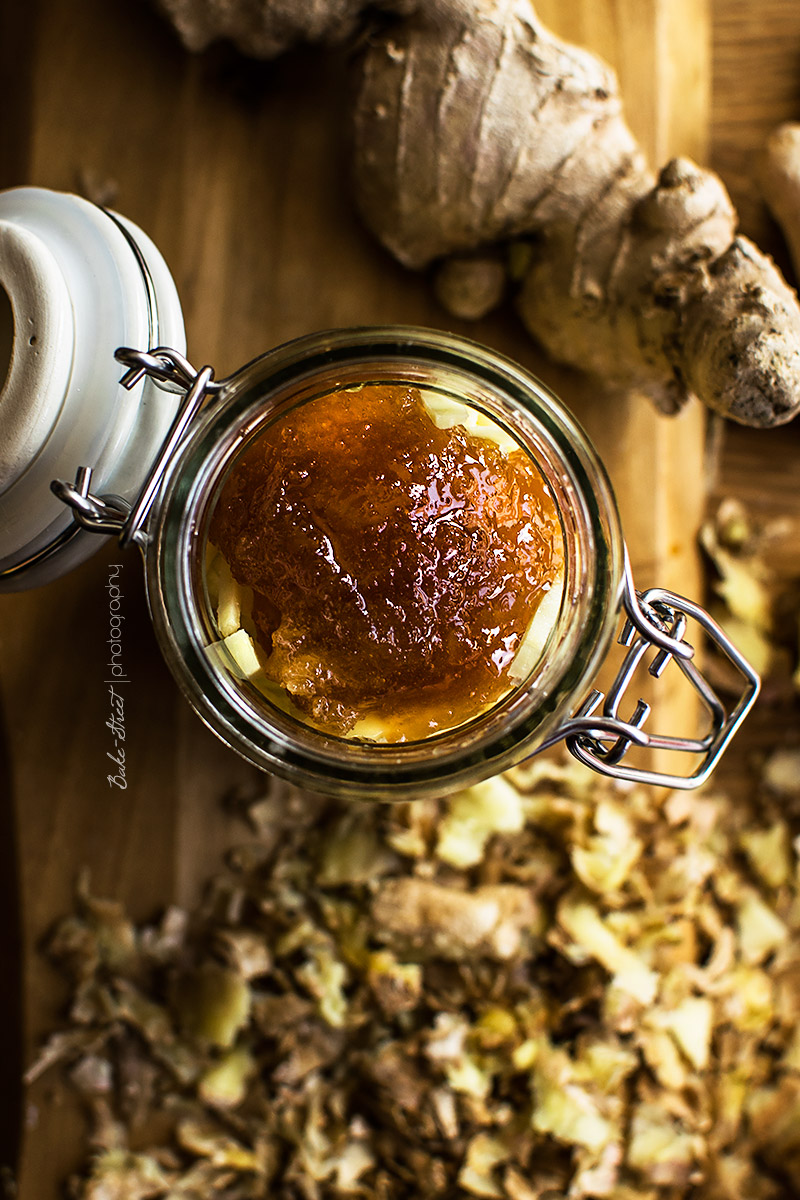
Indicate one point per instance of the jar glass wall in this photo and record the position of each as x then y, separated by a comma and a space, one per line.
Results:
265, 727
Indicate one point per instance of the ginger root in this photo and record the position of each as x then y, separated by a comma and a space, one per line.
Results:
428, 918
779, 176
266, 28
476, 128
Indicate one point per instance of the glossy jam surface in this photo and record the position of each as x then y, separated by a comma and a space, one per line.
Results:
395, 566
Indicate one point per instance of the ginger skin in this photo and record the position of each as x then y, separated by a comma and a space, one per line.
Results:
266, 28
779, 176
474, 128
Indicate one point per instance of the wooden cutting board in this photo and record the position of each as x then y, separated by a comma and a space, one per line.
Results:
237, 172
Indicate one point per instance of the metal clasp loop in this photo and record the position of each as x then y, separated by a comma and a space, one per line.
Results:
100, 514
112, 514
658, 619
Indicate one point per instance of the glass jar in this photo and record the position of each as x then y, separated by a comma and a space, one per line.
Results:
555, 701
168, 510
582, 627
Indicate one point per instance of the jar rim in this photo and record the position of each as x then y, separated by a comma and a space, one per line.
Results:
448, 760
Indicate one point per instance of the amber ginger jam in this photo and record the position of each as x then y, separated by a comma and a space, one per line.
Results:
390, 566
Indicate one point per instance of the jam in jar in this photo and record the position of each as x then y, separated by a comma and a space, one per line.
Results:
383, 552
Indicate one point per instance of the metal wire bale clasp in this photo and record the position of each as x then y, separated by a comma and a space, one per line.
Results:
658, 619
113, 514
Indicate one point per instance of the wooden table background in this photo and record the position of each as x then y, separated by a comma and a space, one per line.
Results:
237, 171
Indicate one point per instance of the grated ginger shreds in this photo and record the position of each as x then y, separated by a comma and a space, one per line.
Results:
358, 1041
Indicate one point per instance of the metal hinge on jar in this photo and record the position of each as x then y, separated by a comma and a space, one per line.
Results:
111, 514
657, 620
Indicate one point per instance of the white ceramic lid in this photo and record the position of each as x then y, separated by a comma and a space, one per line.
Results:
80, 282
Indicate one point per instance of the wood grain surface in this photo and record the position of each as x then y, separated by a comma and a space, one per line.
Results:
237, 172
756, 85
